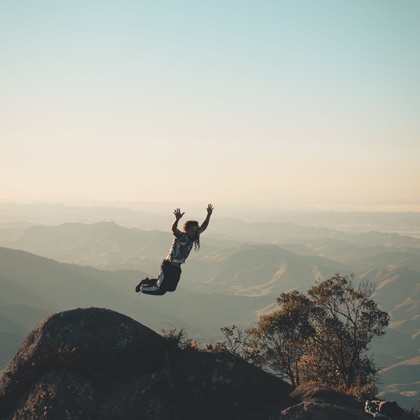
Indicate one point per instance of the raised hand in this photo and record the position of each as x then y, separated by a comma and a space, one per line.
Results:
178, 214
210, 209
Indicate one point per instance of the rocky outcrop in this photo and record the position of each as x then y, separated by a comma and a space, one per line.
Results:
311, 402
98, 364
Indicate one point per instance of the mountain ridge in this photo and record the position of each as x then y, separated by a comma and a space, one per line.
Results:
248, 285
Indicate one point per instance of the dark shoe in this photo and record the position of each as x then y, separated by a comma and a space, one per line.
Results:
138, 287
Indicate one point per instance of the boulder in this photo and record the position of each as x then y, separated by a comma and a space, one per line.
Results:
98, 364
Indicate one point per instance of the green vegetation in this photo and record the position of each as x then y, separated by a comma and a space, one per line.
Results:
179, 339
322, 336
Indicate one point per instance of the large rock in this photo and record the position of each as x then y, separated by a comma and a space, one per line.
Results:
98, 364
311, 402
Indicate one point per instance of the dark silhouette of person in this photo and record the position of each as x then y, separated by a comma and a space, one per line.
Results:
170, 269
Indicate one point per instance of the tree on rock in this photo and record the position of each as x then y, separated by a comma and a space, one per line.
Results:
282, 335
322, 336
346, 320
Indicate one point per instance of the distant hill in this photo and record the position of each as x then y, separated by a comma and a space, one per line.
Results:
370, 249
261, 270
411, 370
399, 293
19, 318
229, 221
102, 245
56, 214
111, 246
404, 380
9, 343
227, 282
13, 230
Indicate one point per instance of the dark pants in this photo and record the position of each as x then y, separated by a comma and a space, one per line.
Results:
167, 280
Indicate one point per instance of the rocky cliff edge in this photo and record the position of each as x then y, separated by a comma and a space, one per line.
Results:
99, 364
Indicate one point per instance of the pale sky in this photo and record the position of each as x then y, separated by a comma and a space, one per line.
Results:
268, 103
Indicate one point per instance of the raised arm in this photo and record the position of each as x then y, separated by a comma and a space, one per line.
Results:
204, 225
178, 215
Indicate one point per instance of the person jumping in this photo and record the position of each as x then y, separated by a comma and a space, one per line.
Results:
170, 269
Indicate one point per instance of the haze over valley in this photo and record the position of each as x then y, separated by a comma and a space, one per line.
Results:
66, 257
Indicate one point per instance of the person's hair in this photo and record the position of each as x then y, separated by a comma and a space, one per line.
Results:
188, 224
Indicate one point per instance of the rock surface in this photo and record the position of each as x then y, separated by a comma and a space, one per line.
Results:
98, 364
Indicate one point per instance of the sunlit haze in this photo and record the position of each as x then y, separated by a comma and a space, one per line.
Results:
269, 103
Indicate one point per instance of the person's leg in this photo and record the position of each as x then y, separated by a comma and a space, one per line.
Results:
167, 281
153, 290
157, 286
174, 275
144, 282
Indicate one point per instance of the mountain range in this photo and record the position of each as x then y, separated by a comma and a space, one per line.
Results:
46, 269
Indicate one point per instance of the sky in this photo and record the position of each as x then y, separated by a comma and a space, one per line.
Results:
243, 103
